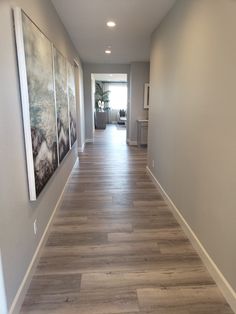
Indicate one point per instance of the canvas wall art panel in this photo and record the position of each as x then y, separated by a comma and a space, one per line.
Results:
60, 75
72, 103
35, 61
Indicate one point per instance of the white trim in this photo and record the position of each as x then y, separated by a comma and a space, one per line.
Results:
81, 148
217, 275
132, 143
20, 295
146, 95
68, 102
89, 140
3, 301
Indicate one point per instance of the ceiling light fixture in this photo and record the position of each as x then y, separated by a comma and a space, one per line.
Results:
108, 51
111, 24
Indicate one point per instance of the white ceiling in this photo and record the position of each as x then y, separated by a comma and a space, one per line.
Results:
110, 77
85, 21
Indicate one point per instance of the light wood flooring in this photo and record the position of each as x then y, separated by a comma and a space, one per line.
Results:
115, 247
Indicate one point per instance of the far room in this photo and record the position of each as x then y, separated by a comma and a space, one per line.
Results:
110, 91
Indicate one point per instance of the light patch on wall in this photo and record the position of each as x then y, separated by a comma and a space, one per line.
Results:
3, 309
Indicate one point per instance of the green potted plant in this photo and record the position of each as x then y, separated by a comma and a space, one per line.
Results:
101, 97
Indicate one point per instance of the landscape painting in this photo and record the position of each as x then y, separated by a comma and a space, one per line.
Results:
72, 103
60, 74
35, 60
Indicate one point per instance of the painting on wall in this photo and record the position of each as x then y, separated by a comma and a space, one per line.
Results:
60, 74
72, 103
35, 62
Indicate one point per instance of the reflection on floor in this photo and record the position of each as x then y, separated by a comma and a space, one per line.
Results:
115, 247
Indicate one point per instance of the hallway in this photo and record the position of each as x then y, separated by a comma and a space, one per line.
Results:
115, 247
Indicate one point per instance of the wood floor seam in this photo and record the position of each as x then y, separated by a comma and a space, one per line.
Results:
115, 247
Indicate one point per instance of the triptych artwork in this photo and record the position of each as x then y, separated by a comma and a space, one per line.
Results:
47, 84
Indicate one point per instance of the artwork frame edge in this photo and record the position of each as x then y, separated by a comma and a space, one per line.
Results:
69, 105
55, 49
17, 12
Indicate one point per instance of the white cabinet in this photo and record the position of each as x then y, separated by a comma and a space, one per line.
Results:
142, 132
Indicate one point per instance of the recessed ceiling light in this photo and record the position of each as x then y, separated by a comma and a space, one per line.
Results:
108, 51
111, 24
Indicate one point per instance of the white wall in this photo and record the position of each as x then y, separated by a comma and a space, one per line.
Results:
139, 75
192, 129
17, 214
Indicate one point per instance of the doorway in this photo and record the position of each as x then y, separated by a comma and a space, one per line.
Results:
110, 100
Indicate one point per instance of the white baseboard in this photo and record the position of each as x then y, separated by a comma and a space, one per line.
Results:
20, 295
132, 143
222, 283
81, 149
89, 140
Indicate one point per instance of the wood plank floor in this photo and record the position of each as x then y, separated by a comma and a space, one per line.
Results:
115, 247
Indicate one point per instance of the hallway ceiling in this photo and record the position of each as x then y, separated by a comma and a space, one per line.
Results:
85, 21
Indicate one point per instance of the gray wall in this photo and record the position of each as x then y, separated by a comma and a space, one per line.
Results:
139, 75
192, 133
88, 69
17, 214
